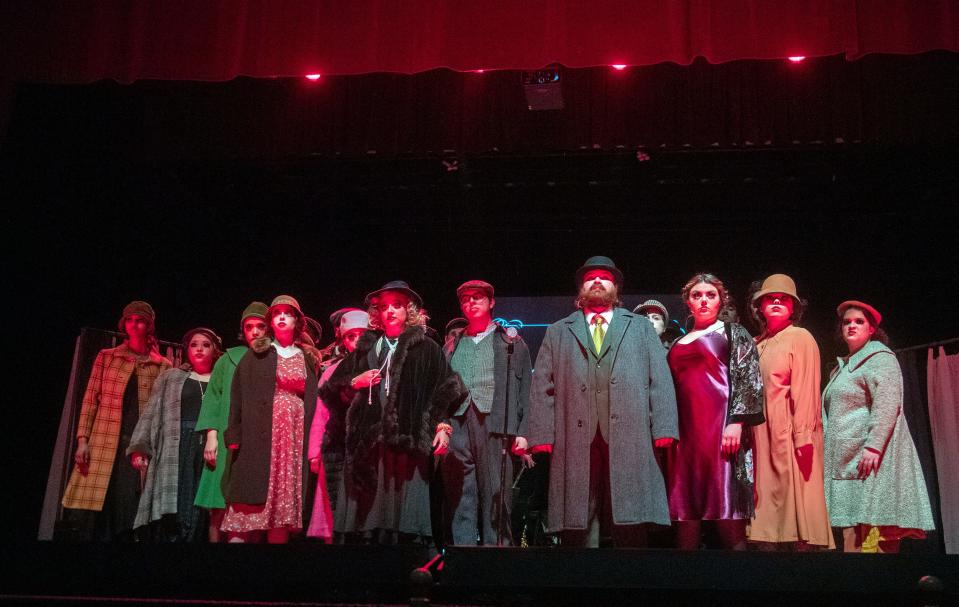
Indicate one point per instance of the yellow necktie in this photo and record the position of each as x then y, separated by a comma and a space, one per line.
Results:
599, 332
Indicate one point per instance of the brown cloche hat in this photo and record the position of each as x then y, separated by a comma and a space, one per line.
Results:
777, 283
136, 307
852, 303
288, 300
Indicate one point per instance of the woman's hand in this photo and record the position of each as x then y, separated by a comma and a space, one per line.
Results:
82, 457
732, 434
521, 450
366, 379
315, 465
441, 443
868, 463
140, 461
664, 443
210, 449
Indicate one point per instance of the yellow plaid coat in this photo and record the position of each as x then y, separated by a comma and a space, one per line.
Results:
100, 419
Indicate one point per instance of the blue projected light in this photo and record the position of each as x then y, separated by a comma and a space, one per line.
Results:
517, 323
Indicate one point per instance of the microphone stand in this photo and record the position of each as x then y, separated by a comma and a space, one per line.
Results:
504, 456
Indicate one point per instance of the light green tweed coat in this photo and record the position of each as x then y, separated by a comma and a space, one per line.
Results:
862, 407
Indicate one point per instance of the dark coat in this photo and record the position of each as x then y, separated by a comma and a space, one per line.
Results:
251, 427
642, 408
424, 392
519, 382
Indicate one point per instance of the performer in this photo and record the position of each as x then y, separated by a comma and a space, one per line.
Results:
336, 350
477, 498
718, 390
658, 315
402, 392
327, 433
875, 488
790, 500
103, 491
271, 408
166, 448
601, 395
215, 413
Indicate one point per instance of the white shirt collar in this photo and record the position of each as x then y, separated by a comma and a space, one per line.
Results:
482, 334
286, 351
608, 315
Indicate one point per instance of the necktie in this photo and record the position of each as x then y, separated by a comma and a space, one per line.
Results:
599, 332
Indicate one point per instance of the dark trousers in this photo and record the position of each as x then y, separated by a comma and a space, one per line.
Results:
471, 480
600, 518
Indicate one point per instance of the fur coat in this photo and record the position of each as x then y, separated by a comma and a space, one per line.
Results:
424, 391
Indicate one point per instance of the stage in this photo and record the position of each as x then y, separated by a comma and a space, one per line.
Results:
44, 573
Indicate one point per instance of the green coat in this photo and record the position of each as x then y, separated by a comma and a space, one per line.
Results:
862, 407
214, 415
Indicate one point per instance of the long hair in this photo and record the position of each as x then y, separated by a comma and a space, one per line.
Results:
709, 279
879, 335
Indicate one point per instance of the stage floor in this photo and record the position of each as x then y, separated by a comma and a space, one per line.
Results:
305, 573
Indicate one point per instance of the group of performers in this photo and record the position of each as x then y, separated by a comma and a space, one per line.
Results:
275, 437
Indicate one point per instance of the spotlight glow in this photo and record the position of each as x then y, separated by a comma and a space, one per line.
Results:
314, 77
618, 66
797, 58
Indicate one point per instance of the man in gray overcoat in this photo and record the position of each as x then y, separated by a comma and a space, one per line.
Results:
602, 396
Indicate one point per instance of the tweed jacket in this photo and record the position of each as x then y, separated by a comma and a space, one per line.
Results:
862, 408
100, 416
642, 408
157, 436
520, 381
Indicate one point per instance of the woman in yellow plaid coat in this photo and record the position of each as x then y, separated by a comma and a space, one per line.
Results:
118, 390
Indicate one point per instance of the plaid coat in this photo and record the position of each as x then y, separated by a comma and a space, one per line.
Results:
157, 436
100, 419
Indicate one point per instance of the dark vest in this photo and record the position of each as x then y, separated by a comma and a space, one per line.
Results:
598, 387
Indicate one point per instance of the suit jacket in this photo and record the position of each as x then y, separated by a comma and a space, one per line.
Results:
642, 408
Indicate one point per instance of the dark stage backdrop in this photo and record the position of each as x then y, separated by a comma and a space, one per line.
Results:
201, 197
893, 99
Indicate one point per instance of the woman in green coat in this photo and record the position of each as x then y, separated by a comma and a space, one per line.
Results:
875, 488
215, 413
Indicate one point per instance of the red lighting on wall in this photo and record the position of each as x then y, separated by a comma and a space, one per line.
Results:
314, 77
797, 58
618, 66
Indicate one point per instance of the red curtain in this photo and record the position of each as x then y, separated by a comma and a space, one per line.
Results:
128, 40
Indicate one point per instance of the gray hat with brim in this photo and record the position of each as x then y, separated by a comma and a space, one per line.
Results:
652, 304
599, 262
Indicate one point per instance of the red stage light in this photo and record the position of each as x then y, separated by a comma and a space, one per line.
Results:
478, 71
314, 77
618, 66
797, 58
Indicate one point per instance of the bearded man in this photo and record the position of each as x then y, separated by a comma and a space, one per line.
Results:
602, 397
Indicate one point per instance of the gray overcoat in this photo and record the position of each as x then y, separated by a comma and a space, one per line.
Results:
642, 408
